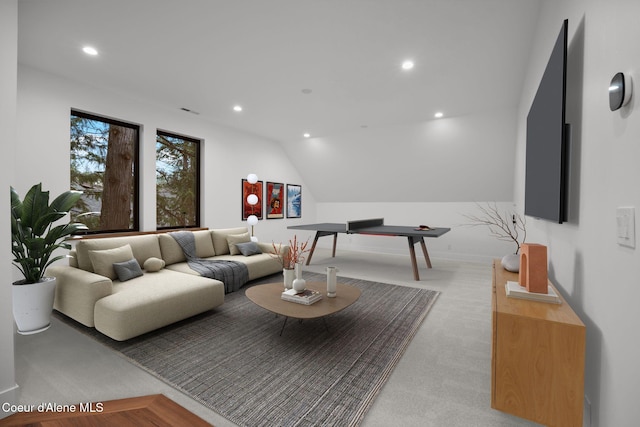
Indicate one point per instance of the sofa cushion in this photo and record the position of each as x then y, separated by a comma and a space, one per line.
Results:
234, 239
153, 264
259, 265
127, 270
172, 252
204, 244
102, 260
219, 237
248, 248
155, 300
143, 247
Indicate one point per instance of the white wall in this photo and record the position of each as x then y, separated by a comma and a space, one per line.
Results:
599, 278
454, 159
428, 173
8, 70
44, 103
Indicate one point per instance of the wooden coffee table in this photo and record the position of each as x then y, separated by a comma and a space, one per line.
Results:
269, 297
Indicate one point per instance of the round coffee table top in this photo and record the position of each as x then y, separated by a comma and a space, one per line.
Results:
269, 297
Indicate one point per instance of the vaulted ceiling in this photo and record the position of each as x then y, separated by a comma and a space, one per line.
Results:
326, 67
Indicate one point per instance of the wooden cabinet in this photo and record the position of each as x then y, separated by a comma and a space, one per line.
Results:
537, 360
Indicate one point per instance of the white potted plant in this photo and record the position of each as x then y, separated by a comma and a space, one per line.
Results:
34, 239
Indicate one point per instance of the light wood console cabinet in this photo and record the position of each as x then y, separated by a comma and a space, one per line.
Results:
537, 360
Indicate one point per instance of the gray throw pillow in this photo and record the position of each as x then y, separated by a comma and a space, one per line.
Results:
127, 270
248, 248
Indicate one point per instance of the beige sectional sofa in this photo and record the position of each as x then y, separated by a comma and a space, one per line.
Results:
96, 290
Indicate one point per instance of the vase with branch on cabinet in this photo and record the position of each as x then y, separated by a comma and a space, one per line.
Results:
506, 226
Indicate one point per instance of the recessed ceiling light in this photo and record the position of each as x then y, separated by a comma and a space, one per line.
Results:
307, 135
237, 108
306, 91
90, 50
438, 115
407, 65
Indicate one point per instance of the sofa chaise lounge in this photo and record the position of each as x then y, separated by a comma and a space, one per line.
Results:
103, 287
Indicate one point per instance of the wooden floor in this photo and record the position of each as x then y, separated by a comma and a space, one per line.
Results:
154, 410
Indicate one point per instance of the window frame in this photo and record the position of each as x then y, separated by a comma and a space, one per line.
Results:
136, 170
198, 150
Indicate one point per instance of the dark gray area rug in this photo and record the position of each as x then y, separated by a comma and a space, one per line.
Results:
233, 361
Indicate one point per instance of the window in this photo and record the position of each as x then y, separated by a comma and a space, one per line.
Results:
104, 166
177, 181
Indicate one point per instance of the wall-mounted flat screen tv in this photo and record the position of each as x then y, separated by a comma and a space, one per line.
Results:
546, 146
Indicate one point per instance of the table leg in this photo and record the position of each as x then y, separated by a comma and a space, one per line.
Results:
313, 247
284, 324
414, 263
424, 251
315, 240
412, 252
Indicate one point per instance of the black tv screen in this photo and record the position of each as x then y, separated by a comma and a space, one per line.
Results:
546, 145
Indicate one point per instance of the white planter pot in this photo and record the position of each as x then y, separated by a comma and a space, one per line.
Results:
511, 262
33, 304
288, 275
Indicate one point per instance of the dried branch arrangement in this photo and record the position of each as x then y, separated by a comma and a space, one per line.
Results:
294, 255
509, 227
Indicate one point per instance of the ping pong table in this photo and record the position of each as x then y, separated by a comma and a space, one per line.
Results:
375, 227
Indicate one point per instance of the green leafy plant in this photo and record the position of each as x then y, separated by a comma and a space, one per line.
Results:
33, 236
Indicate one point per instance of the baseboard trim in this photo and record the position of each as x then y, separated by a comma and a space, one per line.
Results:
9, 396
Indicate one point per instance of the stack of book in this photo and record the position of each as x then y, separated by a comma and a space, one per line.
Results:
306, 297
514, 290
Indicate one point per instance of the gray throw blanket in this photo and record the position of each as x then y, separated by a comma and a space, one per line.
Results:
232, 273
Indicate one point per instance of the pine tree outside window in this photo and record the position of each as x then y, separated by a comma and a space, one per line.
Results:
177, 181
104, 166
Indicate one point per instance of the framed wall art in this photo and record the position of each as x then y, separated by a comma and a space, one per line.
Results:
275, 200
294, 201
248, 208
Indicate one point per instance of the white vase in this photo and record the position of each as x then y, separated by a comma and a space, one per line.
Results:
288, 275
511, 262
299, 284
331, 281
33, 304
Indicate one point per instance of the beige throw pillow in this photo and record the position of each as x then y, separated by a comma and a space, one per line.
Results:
234, 239
152, 265
103, 260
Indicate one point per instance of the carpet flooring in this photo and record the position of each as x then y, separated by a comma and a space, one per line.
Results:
232, 360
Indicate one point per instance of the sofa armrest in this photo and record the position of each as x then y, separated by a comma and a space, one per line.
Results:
268, 248
77, 292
